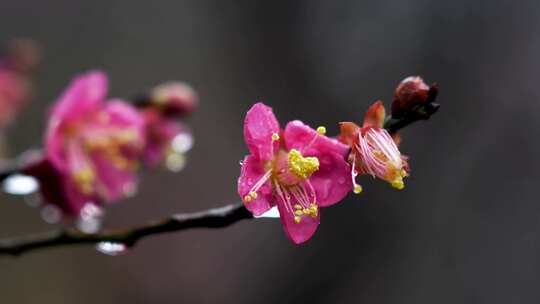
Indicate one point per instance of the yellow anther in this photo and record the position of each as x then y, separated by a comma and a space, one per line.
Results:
398, 184
357, 189
297, 206
247, 198
298, 212
306, 211
297, 219
84, 179
321, 130
404, 173
313, 210
302, 166
253, 194
275, 137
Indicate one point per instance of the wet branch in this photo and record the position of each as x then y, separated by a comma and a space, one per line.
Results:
211, 218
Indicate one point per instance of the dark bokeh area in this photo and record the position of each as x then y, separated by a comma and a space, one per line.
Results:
465, 229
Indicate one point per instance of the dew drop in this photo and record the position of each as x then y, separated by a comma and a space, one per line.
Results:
19, 184
51, 214
111, 248
90, 218
182, 143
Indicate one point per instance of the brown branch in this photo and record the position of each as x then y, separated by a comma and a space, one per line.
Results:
211, 218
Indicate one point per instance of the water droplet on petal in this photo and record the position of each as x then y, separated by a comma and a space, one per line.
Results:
175, 162
90, 218
182, 143
51, 214
111, 248
19, 184
271, 213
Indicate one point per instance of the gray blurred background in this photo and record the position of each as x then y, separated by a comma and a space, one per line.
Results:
466, 229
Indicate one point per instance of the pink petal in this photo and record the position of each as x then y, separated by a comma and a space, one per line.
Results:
300, 136
114, 183
297, 232
259, 125
332, 181
84, 94
82, 98
251, 172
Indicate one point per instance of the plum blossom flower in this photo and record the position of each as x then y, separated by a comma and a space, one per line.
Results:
167, 140
373, 150
298, 169
93, 146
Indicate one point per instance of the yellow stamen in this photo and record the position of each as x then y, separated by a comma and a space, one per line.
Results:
297, 219
298, 212
253, 194
321, 130
297, 206
302, 166
357, 189
275, 137
247, 198
398, 183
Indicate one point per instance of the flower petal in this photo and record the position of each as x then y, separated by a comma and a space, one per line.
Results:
252, 171
83, 96
297, 232
259, 126
375, 115
332, 181
300, 136
113, 182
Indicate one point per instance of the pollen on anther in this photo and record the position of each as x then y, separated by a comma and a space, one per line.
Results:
357, 189
253, 195
247, 198
297, 206
297, 219
321, 130
275, 137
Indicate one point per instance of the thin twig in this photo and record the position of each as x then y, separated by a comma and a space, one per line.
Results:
212, 218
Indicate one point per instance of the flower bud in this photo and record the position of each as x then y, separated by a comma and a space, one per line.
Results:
175, 98
412, 92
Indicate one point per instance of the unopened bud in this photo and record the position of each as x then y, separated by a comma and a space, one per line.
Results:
412, 92
174, 98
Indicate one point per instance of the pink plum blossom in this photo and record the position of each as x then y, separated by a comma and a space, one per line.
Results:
93, 145
373, 150
298, 169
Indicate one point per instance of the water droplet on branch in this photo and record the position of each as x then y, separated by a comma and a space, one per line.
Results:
19, 184
111, 248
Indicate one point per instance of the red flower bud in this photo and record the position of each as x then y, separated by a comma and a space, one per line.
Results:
175, 98
412, 92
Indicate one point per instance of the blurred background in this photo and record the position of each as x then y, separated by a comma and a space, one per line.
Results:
465, 229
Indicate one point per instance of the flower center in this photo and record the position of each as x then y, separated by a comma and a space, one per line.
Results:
302, 166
